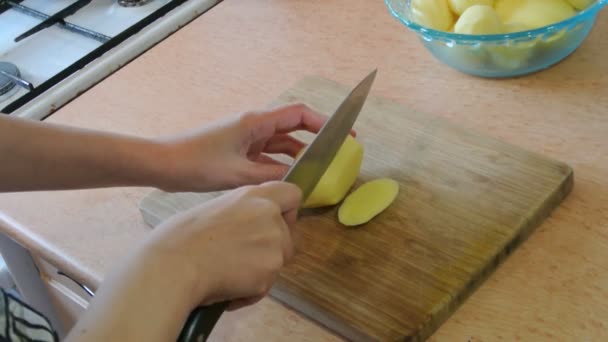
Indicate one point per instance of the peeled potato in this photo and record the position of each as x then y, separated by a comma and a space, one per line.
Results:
433, 14
369, 200
459, 6
479, 19
534, 13
557, 40
555, 37
515, 56
515, 27
339, 176
469, 55
580, 4
511, 57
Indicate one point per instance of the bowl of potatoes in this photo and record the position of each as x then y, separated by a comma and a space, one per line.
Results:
499, 38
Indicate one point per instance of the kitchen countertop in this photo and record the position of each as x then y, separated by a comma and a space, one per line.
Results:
242, 54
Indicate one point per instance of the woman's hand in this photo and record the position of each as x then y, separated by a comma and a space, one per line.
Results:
226, 154
231, 248
235, 151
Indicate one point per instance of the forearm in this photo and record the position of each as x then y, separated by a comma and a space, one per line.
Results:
43, 156
141, 301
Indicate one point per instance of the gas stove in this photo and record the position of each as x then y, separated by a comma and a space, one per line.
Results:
51, 51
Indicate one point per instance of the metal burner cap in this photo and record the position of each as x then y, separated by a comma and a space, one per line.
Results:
6, 84
132, 3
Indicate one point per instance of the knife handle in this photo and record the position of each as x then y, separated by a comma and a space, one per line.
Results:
201, 321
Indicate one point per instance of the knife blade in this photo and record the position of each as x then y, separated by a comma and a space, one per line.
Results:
312, 164
305, 172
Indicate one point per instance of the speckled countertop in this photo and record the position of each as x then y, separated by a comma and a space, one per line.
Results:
243, 53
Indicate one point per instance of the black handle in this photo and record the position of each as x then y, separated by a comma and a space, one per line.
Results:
201, 321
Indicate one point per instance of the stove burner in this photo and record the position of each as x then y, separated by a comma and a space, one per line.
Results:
7, 83
132, 3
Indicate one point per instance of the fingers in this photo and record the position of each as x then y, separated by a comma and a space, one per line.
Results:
286, 195
285, 144
291, 217
269, 202
284, 119
265, 159
263, 170
267, 131
260, 238
298, 116
287, 241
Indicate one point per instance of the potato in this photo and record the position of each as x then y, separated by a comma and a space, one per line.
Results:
339, 176
515, 27
580, 4
511, 57
557, 40
515, 56
459, 6
469, 55
533, 13
367, 201
479, 19
433, 14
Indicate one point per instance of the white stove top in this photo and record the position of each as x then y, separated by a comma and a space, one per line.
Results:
59, 49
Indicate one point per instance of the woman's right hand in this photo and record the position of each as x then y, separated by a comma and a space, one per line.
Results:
230, 248
233, 246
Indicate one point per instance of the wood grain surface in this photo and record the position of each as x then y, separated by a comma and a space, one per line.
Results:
466, 201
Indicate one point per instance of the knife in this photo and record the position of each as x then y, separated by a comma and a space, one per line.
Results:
305, 173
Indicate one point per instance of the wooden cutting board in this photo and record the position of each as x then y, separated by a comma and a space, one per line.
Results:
466, 201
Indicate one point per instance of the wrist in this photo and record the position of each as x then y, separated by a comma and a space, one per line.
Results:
159, 164
175, 273
142, 284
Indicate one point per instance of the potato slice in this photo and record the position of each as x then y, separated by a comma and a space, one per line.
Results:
369, 200
339, 177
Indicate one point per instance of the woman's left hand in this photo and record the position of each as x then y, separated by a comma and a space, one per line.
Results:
236, 151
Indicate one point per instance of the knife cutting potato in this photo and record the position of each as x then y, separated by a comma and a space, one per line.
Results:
365, 202
324, 171
305, 173
176, 269
221, 255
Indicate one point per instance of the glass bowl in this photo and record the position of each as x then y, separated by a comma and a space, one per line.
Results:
502, 55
